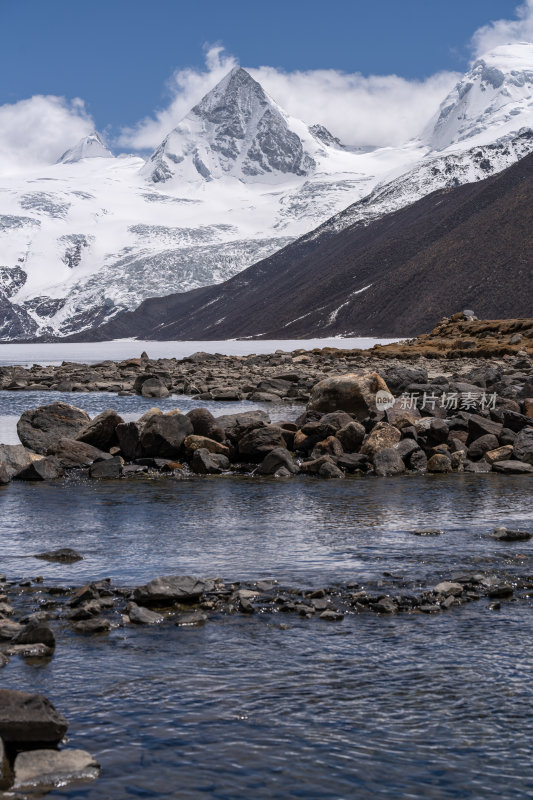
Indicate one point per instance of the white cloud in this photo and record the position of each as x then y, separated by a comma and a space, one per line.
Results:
505, 31
35, 132
379, 109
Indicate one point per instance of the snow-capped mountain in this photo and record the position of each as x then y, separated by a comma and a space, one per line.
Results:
90, 146
235, 181
488, 102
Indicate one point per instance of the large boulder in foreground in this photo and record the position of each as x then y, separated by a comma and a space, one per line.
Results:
70, 453
171, 589
355, 394
29, 719
40, 428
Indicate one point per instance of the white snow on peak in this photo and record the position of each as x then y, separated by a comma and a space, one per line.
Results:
237, 130
494, 98
90, 146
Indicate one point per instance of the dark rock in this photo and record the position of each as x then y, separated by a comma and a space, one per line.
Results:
480, 446
330, 471
477, 467
500, 590
235, 425
143, 616
101, 431
205, 424
129, 440
417, 461
405, 448
110, 468
40, 428
259, 441
438, 431
479, 426
65, 555
43, 469
206, 463
351, 436
91, 626
352, 462
70, 453
515, 421
439, 463
388, 462
505, 535
163, 435
170, 589
29, 719
523, 446
279, 457
35, 632
193, 619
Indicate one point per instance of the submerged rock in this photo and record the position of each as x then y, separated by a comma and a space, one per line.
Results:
45, 769
64, 555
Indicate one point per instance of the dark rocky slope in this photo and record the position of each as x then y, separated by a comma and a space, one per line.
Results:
471, 246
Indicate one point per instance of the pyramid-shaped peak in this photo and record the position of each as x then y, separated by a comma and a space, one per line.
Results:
90, 146
236, 130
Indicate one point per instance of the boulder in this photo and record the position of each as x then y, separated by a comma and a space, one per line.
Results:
163, 435
40, 428
330, 471
439, 463
29, 719
382, 435
255, 444
313, 467
42, 770
143, 616
503, 534
351, 462
479, 426
355, 394
503, 453
417, 461
523, 445
129, 440
388, 461
35, 632
513, 468
515, 421
154, 387
206, 463
43, 469
101, 431
351, 436
205, 424
171, 589
70, 453
194, 442
279, 457
398, 377
480, 446
330, 446
235, 425
14, 459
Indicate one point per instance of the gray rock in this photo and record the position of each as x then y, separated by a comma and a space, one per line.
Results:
388, 462
143, 616
513, 468
330, 471
418, 461
351, 436
109, 468
482, 445
505, 535
29, 719
479, 426
352, 462
92, 626
40, 428
171, 589
235, 425
15, 460
43, 469
101, 431
352, 393
154, 387
449, 588
45, 769
477, 467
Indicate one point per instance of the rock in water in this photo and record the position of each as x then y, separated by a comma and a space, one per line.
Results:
64, 555
40, 428
170, 589
45, 769
29, 719
101, 431
14, 459
163, 435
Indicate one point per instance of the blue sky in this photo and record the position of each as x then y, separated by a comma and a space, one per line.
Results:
118, 54
373, 72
